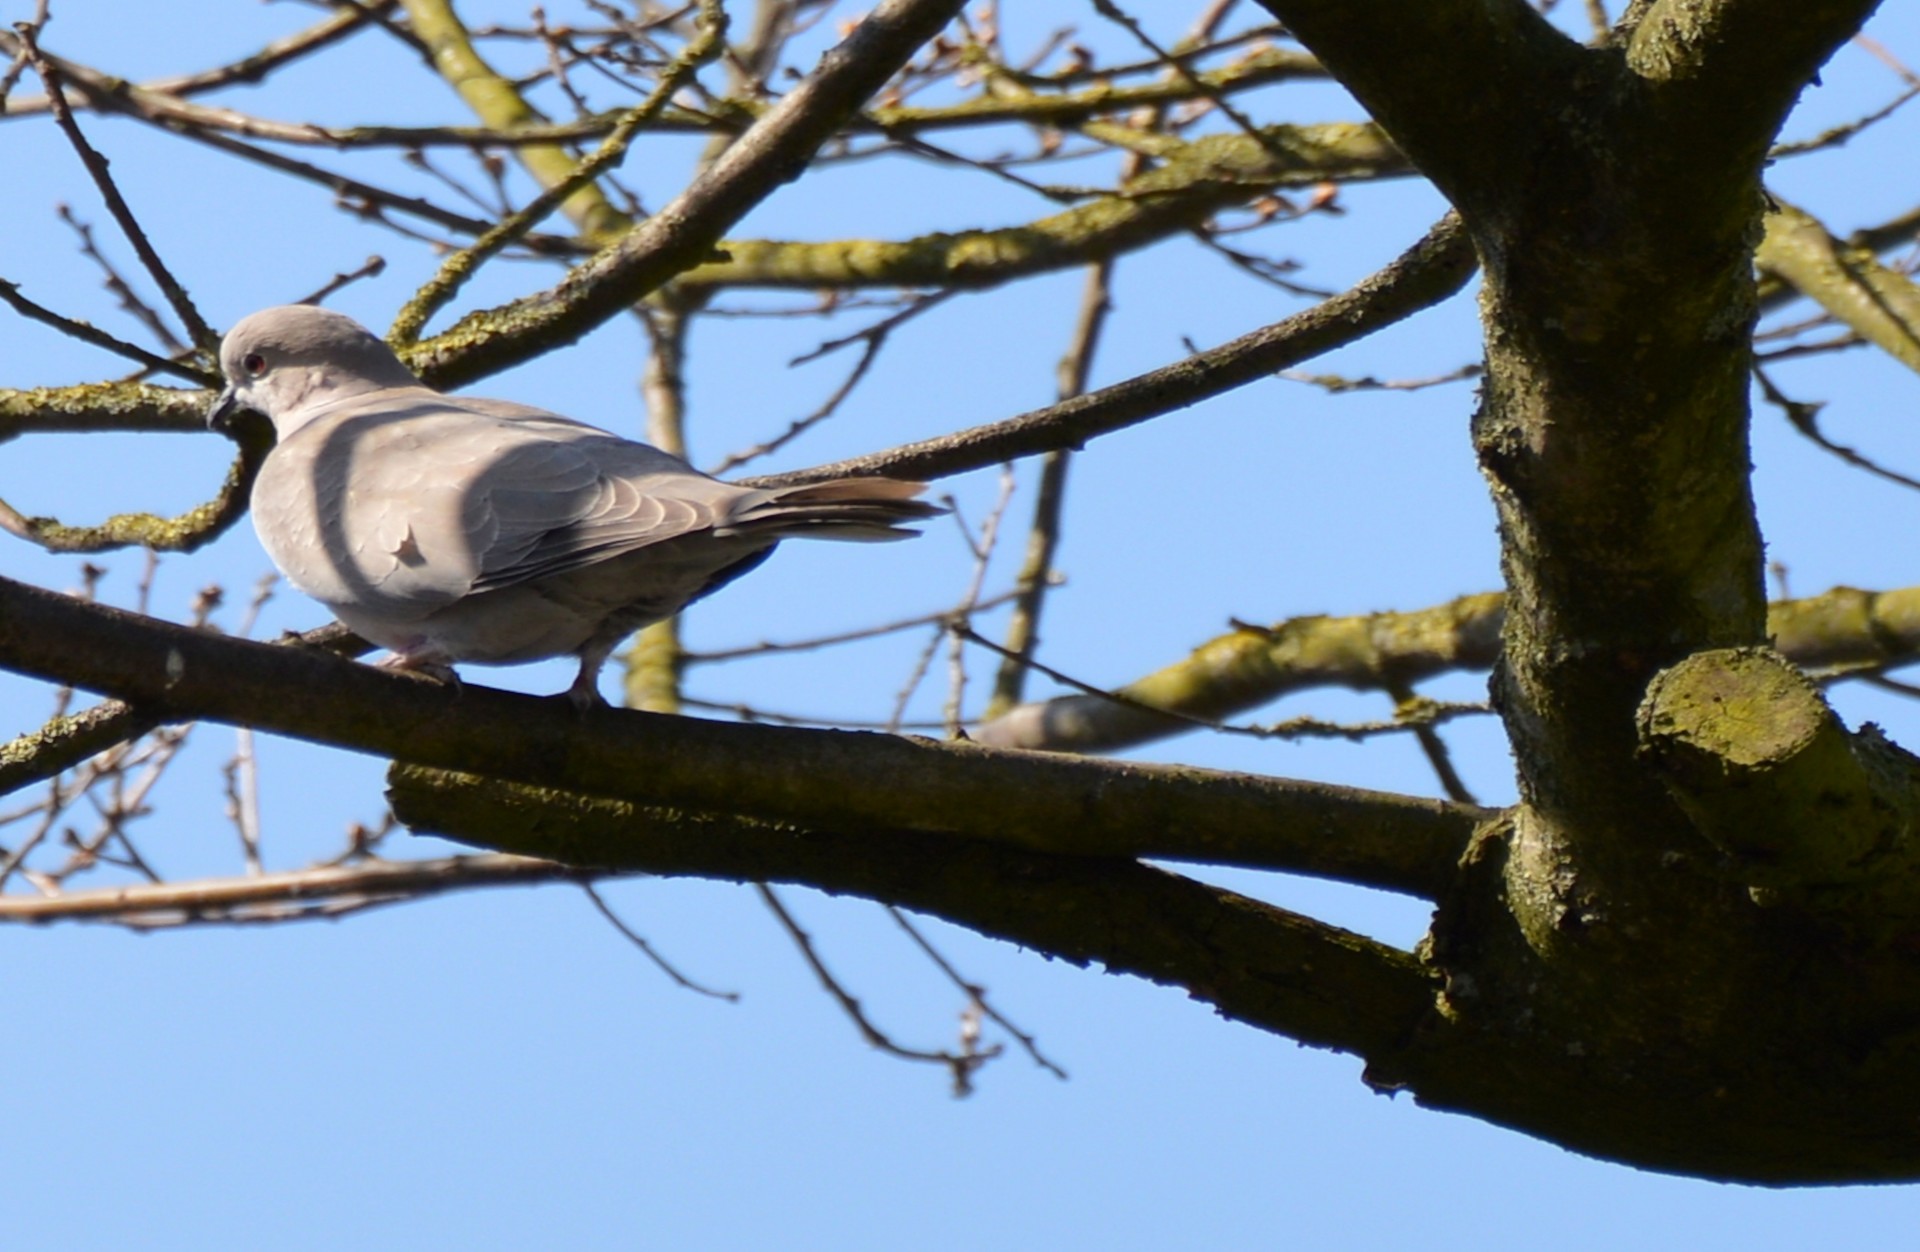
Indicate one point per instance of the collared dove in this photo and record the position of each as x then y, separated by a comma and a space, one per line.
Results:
447, 529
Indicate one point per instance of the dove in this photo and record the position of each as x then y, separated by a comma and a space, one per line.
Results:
453, 529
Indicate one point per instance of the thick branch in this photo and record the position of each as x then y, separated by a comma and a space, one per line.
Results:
1808, 813
1406, 63
839, 779
1257, 963
1724, 73
1879, 303
101, 406
1195, 180
1844, 628
66, 741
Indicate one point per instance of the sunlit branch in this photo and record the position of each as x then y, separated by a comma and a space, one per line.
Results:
1264, 965
1433, 269
1050, 803
316, 892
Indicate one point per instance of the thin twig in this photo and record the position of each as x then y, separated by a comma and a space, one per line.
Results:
122, 290
1805, 418
86, 332
871, 339
639, 941
983, 553
1338, 384
1835, 136
456, 269
753, 713
18, 63
347, 18
198, 331
243, 797
1432, 746
1176, 60
976, 993
960, 1064
1043, 533
847, 636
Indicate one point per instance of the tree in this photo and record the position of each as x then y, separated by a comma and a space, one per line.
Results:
1696, 829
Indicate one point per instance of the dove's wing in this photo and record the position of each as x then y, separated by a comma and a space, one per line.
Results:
418, 499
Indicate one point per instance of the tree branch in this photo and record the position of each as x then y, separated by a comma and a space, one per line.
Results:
1193, 181
1433, 269
499, 103
1807, 813
1252, 666
315, 892
68, 740
250, 69
101, 407
159, 101
1259, 964
775, 150
1406, 63
1036, 801
1881, 304
1724, 73
1844, 629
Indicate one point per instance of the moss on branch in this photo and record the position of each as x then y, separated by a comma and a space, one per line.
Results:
1808, 814
1842, 629
1251, 665
87, 407
1196, 180
1878, 303
1255, 962
498, 102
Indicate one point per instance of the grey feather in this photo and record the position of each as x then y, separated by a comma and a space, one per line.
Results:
454, 529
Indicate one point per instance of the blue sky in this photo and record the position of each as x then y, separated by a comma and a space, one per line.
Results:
501, 1069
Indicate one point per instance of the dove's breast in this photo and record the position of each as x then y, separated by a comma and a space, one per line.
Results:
380, 510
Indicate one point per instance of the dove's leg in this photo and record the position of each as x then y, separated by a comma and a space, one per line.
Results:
427, 663
585, 692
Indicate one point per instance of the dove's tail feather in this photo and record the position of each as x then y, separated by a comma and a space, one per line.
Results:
868, 509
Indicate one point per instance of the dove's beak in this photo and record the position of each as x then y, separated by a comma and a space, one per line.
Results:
225, 407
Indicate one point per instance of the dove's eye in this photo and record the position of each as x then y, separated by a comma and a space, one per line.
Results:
254, 364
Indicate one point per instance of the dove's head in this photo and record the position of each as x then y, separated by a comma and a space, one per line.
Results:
286, 362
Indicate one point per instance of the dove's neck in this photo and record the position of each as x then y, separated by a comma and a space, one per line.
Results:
323, 391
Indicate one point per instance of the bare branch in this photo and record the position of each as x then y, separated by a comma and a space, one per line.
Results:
251, 69
975, 992
639, 941
960, 1064
456, 269
1060, 805
299, 894
771, 152
88, 333
1271, 968
198, 331
1433, 269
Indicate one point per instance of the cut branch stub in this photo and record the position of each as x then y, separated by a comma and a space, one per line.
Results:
1808, 813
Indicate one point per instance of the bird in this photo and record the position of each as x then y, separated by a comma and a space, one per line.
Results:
450, 529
